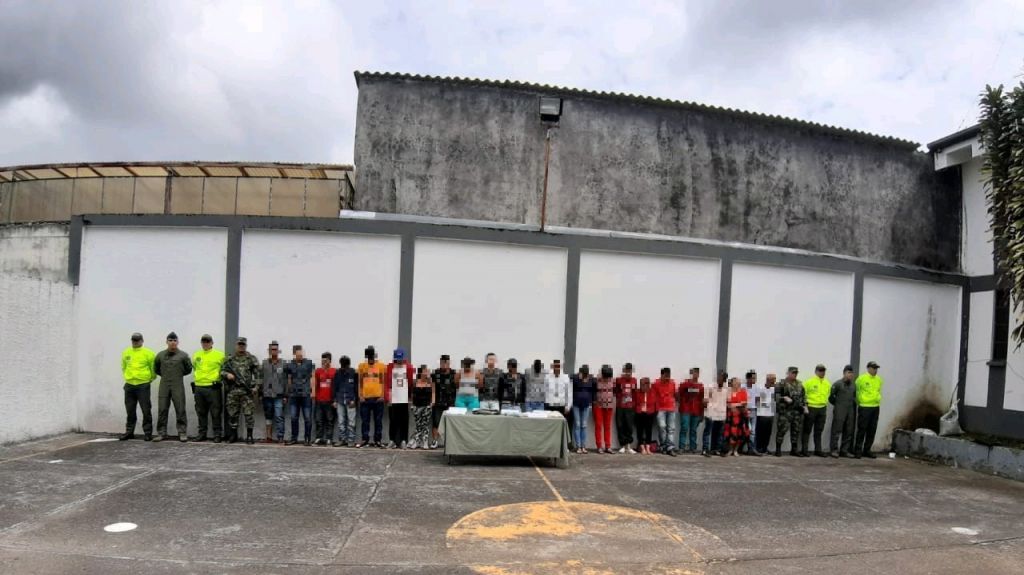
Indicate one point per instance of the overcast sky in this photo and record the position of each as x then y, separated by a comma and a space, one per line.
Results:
108, 81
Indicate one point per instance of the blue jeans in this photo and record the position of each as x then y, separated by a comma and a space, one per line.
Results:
306, 403
534, 406
688, 425
666, 429
374, 407
712, 435
580, 415
346, 424
273, 411
470, 402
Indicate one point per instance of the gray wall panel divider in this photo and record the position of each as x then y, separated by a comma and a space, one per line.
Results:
232, 291
572, 301
724, 311
858, 320
405, 292
965, 334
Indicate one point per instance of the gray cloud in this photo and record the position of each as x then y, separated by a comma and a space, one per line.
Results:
121, 80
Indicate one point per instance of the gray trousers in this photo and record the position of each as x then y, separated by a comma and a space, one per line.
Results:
171, 392
843, 426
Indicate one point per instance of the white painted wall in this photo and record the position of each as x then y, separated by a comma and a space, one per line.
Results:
325, 291
150, 280
789, 316
654, 311
36, 387
1013, 393
976, 237
912, 329
979, 348
473, 298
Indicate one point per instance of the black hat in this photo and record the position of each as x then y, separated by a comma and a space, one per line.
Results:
468, 361
206, 338
666, 371
512, 362
847, 368
819, 367
792, 369
873, 364
446, 357
136, 336
172, 336
242, 341
273, 343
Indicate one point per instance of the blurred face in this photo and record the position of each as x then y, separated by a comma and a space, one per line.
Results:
734, 383
137, 342
819, 372
207, 344
873, 370
770, 381
627, 372
848, 375
172, 344
556, 368
325, 362
492, 360
791, 375
445, 364
240, 348
299, 354
751, 380
513, 369
274, 351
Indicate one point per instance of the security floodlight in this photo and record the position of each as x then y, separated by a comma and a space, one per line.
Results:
550, 109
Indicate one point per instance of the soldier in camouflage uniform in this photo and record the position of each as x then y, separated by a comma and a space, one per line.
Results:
791, 406
240, 372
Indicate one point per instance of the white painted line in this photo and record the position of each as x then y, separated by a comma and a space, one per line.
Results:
964, 531
102, 440
119, 527
56, 461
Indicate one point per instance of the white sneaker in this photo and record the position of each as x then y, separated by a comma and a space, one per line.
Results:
622, 450
403, 445
414, 445
630, 450
433, 445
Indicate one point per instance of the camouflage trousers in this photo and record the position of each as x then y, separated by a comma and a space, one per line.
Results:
793, 423
240, 400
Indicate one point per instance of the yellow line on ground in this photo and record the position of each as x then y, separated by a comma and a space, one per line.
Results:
558, 495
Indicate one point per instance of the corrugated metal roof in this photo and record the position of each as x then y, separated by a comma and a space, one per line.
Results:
954, 138
635, 98
160, 169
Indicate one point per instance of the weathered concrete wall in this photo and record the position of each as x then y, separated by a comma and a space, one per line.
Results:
461, 150
956, 452
36, 328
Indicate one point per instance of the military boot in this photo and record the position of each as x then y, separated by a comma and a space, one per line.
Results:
232, 435
248, 436
126, 436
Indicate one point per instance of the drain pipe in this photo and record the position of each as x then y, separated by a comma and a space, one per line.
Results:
544, 197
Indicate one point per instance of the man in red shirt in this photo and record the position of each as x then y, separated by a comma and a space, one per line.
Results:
324, 406
625, 411
691, 410
665, 398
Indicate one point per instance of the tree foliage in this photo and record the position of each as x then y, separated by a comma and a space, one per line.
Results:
1002, 135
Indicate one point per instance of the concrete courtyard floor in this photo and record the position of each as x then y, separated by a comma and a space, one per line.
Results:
205, 508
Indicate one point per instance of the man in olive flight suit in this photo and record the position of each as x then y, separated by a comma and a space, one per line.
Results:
172, 365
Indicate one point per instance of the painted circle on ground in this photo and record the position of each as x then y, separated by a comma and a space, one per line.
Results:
964, 530
570, 538
119, 527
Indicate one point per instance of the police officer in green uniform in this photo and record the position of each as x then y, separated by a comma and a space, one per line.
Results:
206, 390
791, 407
240, 372
172, 365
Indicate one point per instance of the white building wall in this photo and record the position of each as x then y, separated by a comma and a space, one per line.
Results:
36, 387
1013, 393
150, 280
979, 348
977, 234
35, 251
789, 316
472, 298
912, 329
325, 291
654, 311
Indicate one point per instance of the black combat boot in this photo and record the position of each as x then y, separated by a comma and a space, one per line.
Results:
126, 436
232, 435
248, 436
778, 452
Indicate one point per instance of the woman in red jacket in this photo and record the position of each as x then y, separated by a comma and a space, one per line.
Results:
737, 426
646, 407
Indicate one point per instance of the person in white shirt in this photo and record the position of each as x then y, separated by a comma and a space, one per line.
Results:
557, 389
715, 399
753, 392
765, 414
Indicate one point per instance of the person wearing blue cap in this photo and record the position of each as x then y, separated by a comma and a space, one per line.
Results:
396, 395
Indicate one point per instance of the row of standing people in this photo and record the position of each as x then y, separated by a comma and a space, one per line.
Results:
736, 418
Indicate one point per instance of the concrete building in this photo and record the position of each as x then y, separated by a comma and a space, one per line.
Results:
993, 394
688, 236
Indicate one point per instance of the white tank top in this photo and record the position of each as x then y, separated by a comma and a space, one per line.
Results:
467, 383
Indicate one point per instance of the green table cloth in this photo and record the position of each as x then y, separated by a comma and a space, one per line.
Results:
506, 435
